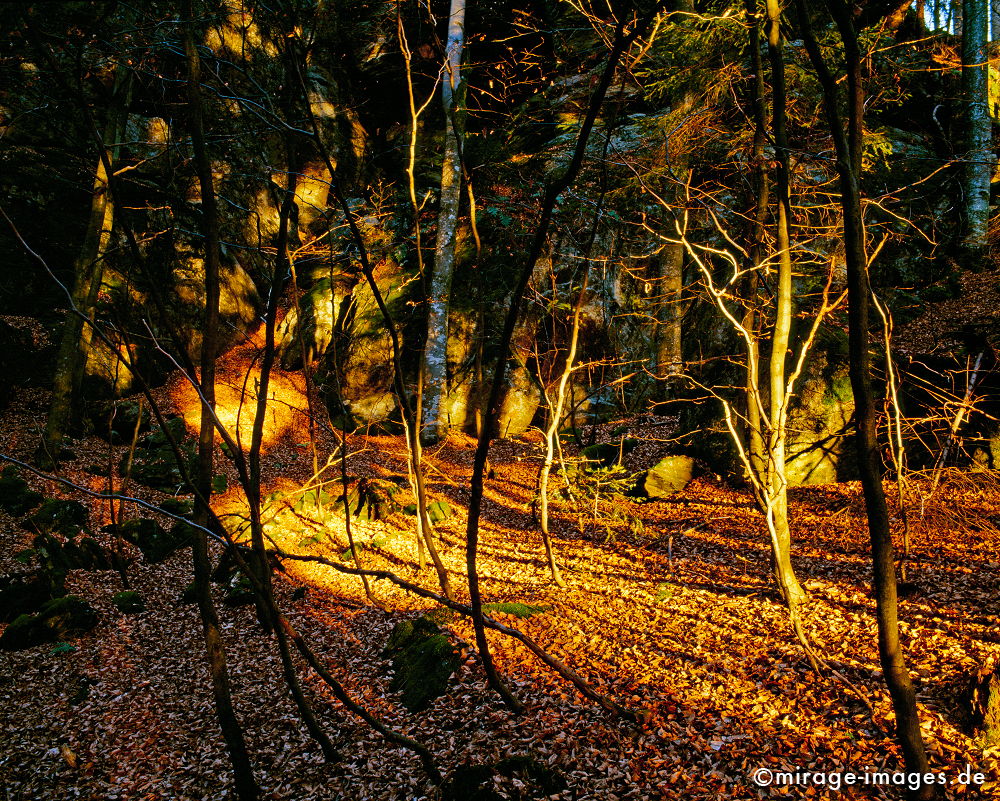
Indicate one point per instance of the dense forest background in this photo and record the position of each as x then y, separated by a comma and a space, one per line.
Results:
329, 285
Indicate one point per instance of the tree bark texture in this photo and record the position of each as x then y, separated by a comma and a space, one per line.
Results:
435, 358
848, 149
978, 128
776, 484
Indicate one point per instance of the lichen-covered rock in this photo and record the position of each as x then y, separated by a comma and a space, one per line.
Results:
58, 620
59, 517
15, 496
423, 659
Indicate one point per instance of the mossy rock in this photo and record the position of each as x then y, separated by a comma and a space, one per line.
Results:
182, 507
373, 498
85, 554
666, 477
15, 496
475, 782
190, 594
58, 620
239, 592
129, 602
116, 422
607, 454
58, 517
156, 543
20, 595
58, 557
423, 659
515, 608
983, 701
154, 463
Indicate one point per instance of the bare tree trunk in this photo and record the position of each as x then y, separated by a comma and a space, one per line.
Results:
757, 250
552, 434
979, 159
553, 190
776, 484
435, 359
232, 732
849, 148
409, 413
74, 348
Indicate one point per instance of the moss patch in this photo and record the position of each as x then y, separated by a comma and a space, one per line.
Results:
129, 602
58, 620
423, 659
15, 497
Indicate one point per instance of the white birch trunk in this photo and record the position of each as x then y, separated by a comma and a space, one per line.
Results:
435, 361
978, 128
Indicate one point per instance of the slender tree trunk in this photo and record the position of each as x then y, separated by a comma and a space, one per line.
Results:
552, 435
435, 360
555, 188
232, 732
757, 250
776, 484
74, 348
410, 413
849, 148
979, 159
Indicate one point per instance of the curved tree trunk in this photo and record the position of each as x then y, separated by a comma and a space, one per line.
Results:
776, 484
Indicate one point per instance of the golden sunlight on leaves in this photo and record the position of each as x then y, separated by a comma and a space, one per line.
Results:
237, 390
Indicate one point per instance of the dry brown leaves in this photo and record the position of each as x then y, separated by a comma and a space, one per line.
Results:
694, 636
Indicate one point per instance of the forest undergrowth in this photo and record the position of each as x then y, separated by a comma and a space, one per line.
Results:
669, 609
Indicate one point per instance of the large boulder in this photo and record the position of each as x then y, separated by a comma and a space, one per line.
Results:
819, 425
820, 420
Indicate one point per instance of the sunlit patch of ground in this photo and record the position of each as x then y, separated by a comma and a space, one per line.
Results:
668, 610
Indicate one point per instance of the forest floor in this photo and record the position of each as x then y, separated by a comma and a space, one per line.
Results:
668, 609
